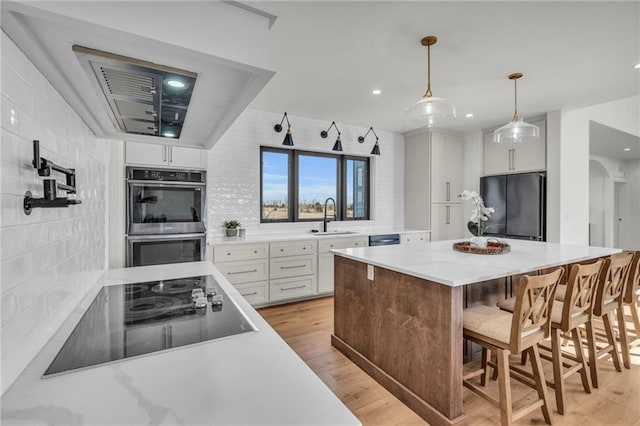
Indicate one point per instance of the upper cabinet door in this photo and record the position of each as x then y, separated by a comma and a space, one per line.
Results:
446, 167
497, 156
532, 156
503, 158
145, 153
165, 156
187, 157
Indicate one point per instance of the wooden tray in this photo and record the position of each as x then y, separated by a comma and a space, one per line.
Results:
492, 248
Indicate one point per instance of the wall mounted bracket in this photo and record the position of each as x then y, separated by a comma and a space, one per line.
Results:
50, 187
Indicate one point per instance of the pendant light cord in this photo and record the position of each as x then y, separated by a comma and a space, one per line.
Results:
428, 93
515, 97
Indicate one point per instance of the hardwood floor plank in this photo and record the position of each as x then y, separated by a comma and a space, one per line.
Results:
307, 327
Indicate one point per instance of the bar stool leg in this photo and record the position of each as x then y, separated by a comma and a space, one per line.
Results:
593, 359
541, 385
584, 376
612, 341
558, 379
624, 340
485, 367
504, 384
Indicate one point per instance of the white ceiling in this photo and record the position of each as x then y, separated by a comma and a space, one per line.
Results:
609, 142
329, 55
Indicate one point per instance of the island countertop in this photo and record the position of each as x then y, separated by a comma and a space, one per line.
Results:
253, 378
438, 262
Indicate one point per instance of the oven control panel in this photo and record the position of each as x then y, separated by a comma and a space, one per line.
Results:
165, 175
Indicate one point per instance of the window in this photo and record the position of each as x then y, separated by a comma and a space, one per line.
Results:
296, 185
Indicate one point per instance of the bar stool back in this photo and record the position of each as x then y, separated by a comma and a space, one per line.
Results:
607, 299
630, 298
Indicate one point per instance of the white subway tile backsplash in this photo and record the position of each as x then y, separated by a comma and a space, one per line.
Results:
50, 258
233, 180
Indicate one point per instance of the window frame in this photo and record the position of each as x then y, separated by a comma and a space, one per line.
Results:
293, 184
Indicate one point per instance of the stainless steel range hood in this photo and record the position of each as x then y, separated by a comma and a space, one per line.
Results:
111, 63
140, 97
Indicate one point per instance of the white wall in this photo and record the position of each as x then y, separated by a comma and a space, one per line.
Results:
630, 238
573, 155
50, 258
233, 180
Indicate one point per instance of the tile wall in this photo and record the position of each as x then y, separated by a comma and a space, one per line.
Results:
233, 181
50, 258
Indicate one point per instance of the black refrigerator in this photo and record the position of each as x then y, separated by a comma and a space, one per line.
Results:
520, 202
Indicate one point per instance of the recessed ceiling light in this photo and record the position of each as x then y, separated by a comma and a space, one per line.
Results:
176, 83
637, 66
376, 91
468, 115
627, 149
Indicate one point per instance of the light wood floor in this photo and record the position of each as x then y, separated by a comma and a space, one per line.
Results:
307, 327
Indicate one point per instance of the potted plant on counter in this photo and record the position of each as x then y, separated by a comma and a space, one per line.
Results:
477, 222
231, 227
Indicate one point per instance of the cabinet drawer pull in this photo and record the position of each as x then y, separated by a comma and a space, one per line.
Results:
255, 252
357, 244
448, 191
249, 294
242, 272
294, 266
304, 248
281, 249
292, 288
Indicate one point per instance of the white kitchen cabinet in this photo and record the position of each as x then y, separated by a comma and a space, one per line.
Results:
164, 155
503, 158
433, 174
415, 237
325, 259
292, 287
446, 167
446, 222
246, 266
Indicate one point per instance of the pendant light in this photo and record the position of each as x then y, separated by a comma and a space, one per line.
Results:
338, 145
376, 147
429, 110
288, 140
516, 130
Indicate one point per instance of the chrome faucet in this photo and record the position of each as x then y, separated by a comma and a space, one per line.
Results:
325, 220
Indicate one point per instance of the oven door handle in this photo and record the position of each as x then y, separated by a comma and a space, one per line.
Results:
165, 183
151, 237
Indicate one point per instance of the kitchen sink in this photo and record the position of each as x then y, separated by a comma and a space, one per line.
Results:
329, 233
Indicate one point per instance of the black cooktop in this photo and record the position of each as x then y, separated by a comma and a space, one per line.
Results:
129, 320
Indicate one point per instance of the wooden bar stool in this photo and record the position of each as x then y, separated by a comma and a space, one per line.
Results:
630, 298
566, 317
504, 333
607, 299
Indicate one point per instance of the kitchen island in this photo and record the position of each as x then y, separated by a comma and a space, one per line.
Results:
398, 313
253, 378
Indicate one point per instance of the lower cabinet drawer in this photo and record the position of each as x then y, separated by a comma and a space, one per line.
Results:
245, 271
290, 288
255, 293
292, 266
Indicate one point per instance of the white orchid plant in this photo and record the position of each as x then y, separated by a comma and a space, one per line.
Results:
480, 214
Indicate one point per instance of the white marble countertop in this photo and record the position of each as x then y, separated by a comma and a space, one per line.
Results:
252, 378
438, 262
268, 237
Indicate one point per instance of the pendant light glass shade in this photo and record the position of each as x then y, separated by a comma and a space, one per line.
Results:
429, 110
516, 131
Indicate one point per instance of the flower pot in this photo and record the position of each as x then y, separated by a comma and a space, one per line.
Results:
480, 242
231, 232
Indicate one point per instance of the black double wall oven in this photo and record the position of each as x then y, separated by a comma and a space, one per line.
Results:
166, 211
